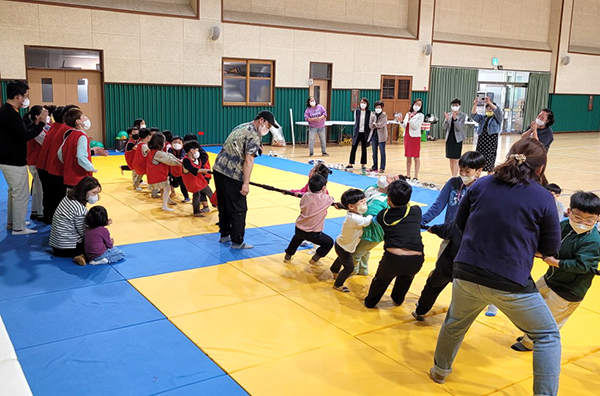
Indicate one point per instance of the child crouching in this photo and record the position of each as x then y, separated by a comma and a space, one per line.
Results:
99, 246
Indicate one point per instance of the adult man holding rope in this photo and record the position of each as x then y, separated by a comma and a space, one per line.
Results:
232, 170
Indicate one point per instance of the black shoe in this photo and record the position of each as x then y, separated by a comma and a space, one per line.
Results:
420, 318
325, 154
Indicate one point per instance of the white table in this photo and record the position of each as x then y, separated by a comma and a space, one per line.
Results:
340, 124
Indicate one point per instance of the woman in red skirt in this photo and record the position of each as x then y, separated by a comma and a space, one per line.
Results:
412, 137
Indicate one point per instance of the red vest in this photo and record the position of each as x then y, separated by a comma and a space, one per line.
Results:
130, 155
194, 183
73, 171
156, 173
207, 176
33, 151
139, 161
48, 158
176, 171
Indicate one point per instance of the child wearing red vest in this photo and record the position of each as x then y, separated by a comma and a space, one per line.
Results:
157, 168
139, 158
194, 178
132, 140
176, 172
75, 152
34, 147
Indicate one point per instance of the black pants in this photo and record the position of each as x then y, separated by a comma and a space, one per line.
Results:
343, 259
125, 168
403, 268
178, 182
318, 238
437, 280
69, 252
200, 196
54, 191
362, 139
232, 207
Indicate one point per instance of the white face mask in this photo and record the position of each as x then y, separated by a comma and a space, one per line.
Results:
539, 122
177, 146
382, 182
468, 179
363, 106
455, 108
197, 154
580, 228
25, 104
313, 103
87, 124
416, 108
362, 208
378, 110
263, 130
48, 119
92, 199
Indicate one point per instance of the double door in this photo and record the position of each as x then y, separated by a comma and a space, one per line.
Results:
511, 99
396, 93
63, 87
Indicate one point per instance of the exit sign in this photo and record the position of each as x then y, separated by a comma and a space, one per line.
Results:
495, 61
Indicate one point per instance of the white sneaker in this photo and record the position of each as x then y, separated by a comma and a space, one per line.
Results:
138, 189
10, 227
26, 231
167, 209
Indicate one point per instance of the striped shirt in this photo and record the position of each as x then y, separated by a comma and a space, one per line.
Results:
68, 224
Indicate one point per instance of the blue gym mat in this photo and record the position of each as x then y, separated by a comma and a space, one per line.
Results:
65, 314
220, 386
143, 359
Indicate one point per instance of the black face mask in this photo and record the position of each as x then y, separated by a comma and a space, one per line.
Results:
135, 137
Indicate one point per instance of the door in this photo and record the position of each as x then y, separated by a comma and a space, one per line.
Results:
61, 87
396, 92
320, 91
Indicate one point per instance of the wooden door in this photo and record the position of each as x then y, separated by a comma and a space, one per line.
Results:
84, 89
396, 92
62, 87
320, 91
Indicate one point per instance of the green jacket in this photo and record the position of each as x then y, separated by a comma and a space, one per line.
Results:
577, 255
376, 202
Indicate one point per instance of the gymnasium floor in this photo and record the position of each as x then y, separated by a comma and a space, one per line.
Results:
185, 315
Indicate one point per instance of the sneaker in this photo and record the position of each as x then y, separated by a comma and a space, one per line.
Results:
314, 260
349, 167
240, 246
167, 209
9, 226
80, 260
198, 215
381, 170
205, 209
225, 239
420, 318
138, 189
307, 244
310, 154
26, 231
143, 183
287, 258
325, 154
519, 347
492, 310
187, 200
437, 378
155, 194
342, 289
99, 262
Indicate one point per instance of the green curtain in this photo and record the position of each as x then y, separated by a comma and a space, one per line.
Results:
447, 84
538, 91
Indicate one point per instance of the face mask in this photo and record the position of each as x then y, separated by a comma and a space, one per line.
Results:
580, 228
142, 126
489, 113
135, 137
416, 108
363, 106
361, 208
455, 108
378, 111
197, 154
87, 124
539, 122
382, 182
177, 146
48, 119
313, 103
263, 130
25, 104
92, 199
468, 179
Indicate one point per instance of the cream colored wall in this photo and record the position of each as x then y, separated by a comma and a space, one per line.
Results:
161, 50
586, 28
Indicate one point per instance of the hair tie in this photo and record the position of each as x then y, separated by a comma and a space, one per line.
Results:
520, 158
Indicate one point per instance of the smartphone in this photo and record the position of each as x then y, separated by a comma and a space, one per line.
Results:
481, 95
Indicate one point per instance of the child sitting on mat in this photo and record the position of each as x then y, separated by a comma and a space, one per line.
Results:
403, 248
570, 275
99, 246
157, 168
345, 244
193, 177
309, 225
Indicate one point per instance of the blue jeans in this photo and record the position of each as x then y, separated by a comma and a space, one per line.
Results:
112, 255
312, 134
375, 144
528, 312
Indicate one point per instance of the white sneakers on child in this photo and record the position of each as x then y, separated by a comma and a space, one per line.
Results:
26, 231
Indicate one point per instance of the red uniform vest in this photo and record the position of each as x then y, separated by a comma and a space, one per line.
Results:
48, 158
207, 176
33, 151
176, 171
139, 161
130, 155
73, 171
194, 183
156, 173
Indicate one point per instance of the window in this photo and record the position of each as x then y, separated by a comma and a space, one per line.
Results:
320, 70
57, 58
388, 88
404, 89
248, 82
47, 92
82, 90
